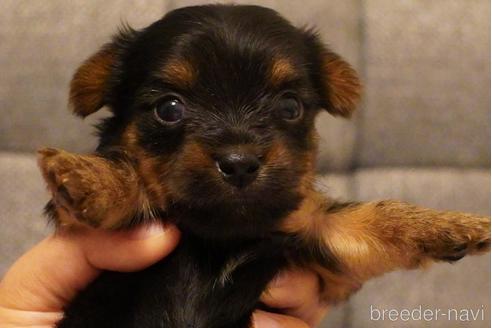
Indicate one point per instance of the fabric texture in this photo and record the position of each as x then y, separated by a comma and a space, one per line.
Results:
427, 96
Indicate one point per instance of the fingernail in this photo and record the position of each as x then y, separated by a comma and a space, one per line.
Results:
283, 278
264, 320
147, 231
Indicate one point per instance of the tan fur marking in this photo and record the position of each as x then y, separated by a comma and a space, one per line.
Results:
309, 161
305, 219
92, 189
282, 70
343, 84
151, 170
180, 72
90, 82
278, 155
369, 239
195, 156
130, 137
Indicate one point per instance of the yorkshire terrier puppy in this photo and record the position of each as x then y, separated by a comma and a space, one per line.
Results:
213, 130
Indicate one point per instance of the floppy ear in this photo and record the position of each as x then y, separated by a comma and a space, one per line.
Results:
341, 84
92, 82
337, 81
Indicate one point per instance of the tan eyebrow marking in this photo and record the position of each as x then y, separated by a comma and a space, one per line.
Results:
180, 71
281, 70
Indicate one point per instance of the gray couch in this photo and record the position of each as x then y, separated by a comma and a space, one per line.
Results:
422, 133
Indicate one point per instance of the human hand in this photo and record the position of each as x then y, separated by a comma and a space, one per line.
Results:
45, 279
295, 294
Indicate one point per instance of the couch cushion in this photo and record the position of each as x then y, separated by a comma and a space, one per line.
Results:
427, 67
42, 45
441, 188
23, 195
464, 285
444, 287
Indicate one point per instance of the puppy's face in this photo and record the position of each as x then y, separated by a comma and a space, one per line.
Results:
216, 104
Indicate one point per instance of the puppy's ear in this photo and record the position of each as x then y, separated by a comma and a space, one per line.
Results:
341, 83
337, 82
91, 84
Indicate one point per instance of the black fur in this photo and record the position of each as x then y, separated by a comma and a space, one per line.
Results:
186, 290
231, 102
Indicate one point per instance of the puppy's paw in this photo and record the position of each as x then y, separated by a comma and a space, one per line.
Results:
73, 181
457, 237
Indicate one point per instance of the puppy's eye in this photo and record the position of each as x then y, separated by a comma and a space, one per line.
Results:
170, 111
289, 109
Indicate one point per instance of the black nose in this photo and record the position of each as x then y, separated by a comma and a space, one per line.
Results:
239, 169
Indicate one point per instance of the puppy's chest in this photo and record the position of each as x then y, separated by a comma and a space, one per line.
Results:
201, 284
213, 285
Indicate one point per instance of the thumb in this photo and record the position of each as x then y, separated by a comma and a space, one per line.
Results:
263, 319
128, 251
48, 276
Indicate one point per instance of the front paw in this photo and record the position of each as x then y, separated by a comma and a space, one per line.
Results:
72, 180
460, 235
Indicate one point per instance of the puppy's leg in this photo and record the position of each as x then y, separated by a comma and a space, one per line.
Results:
351, 243
93, 190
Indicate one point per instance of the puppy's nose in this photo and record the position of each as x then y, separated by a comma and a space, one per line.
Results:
238, 168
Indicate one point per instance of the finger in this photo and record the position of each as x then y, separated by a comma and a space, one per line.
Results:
129, 250
291, 289
263, 319
296, 293
19, 318
48, 276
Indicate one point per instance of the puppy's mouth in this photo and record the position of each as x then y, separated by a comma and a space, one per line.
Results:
222, 187
210, 205
233, 191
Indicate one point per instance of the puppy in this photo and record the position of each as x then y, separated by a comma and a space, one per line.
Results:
212, 129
